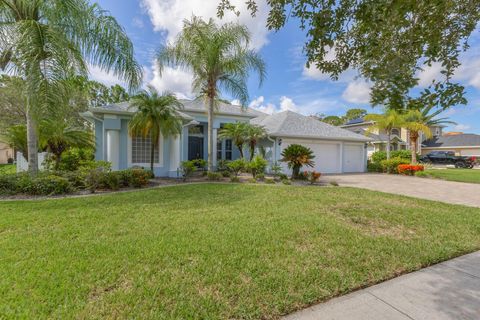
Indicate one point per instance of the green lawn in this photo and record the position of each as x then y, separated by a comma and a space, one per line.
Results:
461, 175
215, 251
7, 169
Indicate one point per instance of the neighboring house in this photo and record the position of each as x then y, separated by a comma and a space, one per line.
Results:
399, 139
336, 150
463, 144
6, 153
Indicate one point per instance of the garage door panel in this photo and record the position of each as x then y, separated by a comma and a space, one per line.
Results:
353, 158
327, 155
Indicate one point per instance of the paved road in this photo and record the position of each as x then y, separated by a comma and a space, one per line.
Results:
431, 189
449, 290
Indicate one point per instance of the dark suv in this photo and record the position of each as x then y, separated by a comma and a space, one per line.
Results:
448, 157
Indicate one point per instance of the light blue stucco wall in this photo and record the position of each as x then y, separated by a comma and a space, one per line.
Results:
121, 124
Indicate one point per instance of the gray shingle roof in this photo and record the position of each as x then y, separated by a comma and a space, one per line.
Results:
196, 105
292, 124
375, 137
458, 140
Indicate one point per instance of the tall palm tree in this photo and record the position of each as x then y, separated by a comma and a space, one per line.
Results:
219, 58
253, 135
45, 41
420, 121
57, 136
236, 132
156, 114
387, 122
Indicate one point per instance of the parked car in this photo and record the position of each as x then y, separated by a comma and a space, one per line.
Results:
448, 157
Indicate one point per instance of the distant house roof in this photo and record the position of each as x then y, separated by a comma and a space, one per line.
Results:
292, 124
197, 105
458, 140
355, 121
376, 137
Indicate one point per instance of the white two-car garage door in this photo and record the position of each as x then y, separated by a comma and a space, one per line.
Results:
329, 158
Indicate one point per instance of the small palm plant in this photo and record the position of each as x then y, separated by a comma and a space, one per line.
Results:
387, 122
296, 156
236, 132
157, 114
253, 135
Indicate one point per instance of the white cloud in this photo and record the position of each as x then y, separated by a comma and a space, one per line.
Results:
357, 92
172, 79
462, 127
102, 76
428, 74
313, 73
469, 71
258, 104
235, 102
168, 16
287, 103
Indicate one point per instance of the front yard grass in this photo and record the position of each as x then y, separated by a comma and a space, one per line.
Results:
215, 251
460, 175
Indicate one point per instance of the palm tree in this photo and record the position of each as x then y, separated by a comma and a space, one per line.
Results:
57, 136
296, 156
46, 41
156, 114
420, 121
219, 58
386, 122
16, 137
253, 135
236, 132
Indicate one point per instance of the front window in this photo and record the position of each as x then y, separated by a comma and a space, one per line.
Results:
396, 132
141, 150
228, 149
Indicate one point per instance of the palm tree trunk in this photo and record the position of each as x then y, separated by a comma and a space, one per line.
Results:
32, 142
388, 145
413, 146
210, 133
252, 151
152, 156
240, 149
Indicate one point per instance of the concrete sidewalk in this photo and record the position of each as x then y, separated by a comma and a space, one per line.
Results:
449, 290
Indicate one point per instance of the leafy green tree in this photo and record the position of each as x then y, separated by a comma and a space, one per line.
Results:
296, 156
12, 101
385, 122
156, 114
252, 135
48, 41
420, 121
353, 114
16, 137
333, 120
118, 94
56, 136
388, 42
219, 58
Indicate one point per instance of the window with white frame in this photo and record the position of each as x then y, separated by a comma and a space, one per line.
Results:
396, 132
141, 150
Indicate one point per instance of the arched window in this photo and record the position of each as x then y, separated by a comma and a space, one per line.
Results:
396, 132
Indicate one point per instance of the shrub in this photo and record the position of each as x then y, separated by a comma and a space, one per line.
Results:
379, 156
296, 156
286, 182
422, 174
93, 164
139, 177
225, 174
237, 166
374, 167
391, 166
409, 170
200, 163
8, 184
252, 180
214, 176
110, 181
93, 179
282, 176
71, 159
276, 169
76, 178
312, 176
187, 168
10, 160
260, 176
222, 165
269, 181
234, 179
43, 184
257, 166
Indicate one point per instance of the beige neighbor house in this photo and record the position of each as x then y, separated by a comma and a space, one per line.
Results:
6, 153
399, 139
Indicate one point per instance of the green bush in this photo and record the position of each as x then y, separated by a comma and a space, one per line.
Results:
286, 182
391, 166
260, 176
9, 184
139, 177
276, 169
110, 181
269, 181
282, 176
252, 180
257, 166
187, 168
234, 179
222, 165
44, 184
214, 176
94, 164
71, 159
237, 166
379, 156
297, 156
374, 167
200, 163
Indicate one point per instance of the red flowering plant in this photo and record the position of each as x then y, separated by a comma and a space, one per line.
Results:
311, 176
409, 169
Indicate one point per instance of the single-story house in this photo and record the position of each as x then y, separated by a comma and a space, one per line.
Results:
336, 150
463, 144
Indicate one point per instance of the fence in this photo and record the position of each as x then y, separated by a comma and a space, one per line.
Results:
22, 163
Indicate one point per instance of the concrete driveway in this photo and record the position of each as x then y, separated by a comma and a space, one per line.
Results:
431, 189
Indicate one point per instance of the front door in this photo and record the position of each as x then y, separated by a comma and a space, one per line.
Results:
195, 148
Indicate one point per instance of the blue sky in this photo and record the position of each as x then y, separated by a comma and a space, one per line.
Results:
289, 84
